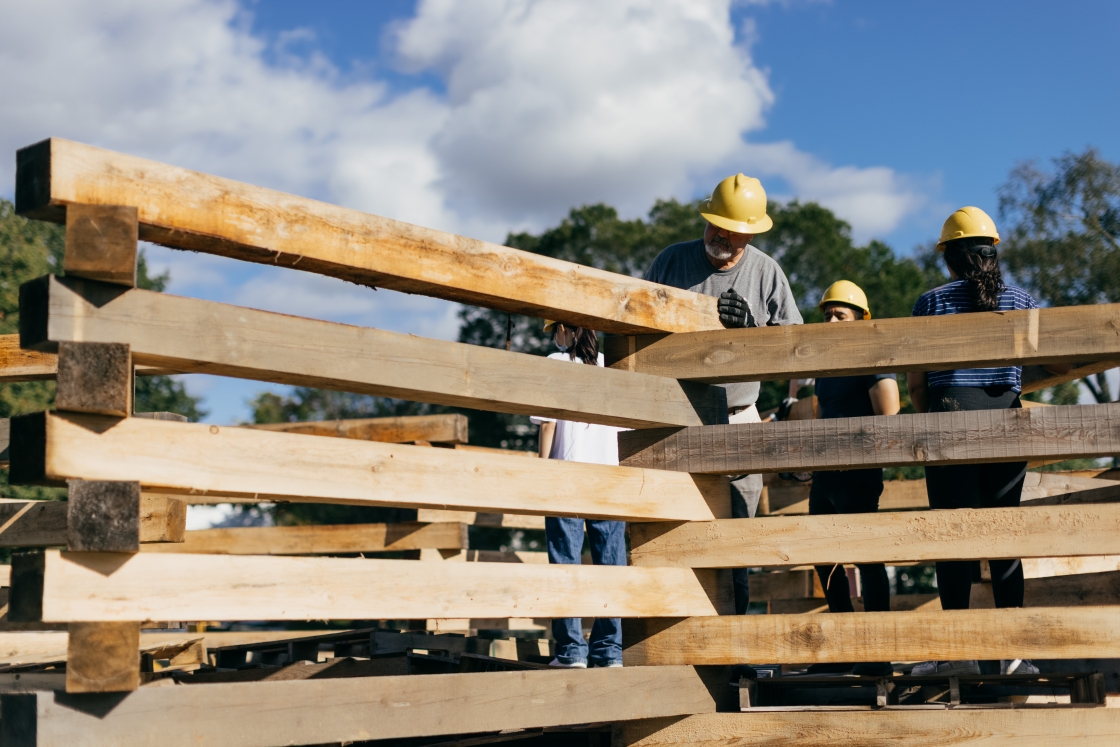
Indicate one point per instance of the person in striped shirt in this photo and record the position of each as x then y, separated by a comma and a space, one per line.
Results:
968, 240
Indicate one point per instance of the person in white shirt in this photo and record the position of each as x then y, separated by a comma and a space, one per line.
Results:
594, 444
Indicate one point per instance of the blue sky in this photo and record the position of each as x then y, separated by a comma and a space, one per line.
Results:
485, 116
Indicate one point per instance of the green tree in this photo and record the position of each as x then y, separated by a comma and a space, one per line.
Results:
1061, 234
31, 249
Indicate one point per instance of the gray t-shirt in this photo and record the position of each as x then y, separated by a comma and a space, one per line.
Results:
756, 277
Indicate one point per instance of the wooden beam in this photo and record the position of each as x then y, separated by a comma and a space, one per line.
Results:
930, 343
188, 210
508, 521
1037, 633
110, 587
190, 335
44, 523
103, 516
102, 243
486, 556
1083, 589
1088, 727
313, 540
1036, 378
304, 712
17, 364
884, 441
191, 457
94, 377
896, 538
451, 428
1068, 566
103, 657
794, 584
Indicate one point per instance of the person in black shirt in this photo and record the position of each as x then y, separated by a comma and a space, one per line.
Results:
853, 491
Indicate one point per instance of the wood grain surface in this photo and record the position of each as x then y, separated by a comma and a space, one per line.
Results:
450, 428
319, 540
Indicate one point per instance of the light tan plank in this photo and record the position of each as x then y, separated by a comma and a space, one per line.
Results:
202, 336
450, 428
510, 521
17, 364
960, 534
319, 540
1064, 334
884, 441
33, 524
189, 210
1036, 378
1067, 566
1097, 727
197, 458
97, 587
1038, 633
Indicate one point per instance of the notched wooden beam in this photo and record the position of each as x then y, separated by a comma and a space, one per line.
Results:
103, 657
95, 378
101, 243
103, 516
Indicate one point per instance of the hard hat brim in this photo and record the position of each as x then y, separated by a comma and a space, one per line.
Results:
941, 244
759, 226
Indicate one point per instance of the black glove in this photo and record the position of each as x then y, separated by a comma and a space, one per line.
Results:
732, 309
784, 408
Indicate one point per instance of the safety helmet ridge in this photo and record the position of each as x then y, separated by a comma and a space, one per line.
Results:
738, 204
848, 293
968, 222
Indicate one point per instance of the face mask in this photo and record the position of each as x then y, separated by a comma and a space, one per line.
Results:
561, 348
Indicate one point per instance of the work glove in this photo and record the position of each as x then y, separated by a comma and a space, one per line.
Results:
784, 408
732, 309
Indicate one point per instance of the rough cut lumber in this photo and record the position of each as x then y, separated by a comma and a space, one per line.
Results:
303, 712
509, 521
190, 335
188, 210
103, 657
312, 540
1083, 589
44, 523
1068, 566
983, 727
719, 356
1039, 633
896, 538
94, 377
450, 428
489, 556
17, 364
109, 587
1036, 378
5, 575
191, 457
103, 516
50, 646
794, 584
883, 441
102, 243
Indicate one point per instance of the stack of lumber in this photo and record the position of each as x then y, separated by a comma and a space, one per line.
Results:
674, 597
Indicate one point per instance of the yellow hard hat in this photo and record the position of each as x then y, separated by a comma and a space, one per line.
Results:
549, 324
738, 204
846, 292
966, 223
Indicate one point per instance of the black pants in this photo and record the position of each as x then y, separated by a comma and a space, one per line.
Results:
856, 491
976, 486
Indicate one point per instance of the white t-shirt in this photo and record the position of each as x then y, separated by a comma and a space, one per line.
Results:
582, 442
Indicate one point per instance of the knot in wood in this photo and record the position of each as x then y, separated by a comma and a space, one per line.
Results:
809, 636
214, 430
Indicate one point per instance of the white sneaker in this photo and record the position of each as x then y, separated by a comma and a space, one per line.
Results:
1017, 666
610, 665
930, 668
561, 665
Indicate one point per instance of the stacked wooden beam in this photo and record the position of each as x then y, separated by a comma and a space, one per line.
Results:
672, 486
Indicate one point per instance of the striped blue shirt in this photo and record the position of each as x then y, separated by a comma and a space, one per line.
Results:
956, 298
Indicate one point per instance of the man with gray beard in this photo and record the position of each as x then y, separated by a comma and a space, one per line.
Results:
753, 292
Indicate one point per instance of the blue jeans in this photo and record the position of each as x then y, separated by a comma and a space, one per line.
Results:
608, 547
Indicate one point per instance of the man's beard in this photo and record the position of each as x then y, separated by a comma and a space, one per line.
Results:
719, 251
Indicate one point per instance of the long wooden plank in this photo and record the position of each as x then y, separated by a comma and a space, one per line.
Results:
265, 714
451, 428
1038, 633
190, 210
1094, 727
885, 441
509, 521
961, 534
17, 364
196, 458
206, 337
1064, 334
315, 540
107, 587
44, 523
1069, 566
1036, 378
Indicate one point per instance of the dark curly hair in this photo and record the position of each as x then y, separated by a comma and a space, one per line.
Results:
975, 259
585, 345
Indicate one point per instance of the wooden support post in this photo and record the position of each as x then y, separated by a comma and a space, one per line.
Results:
191, 457
188, 334
898, 440
103, 657
103, 516
1045, 727
1035, 633
101, 243
94, 378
